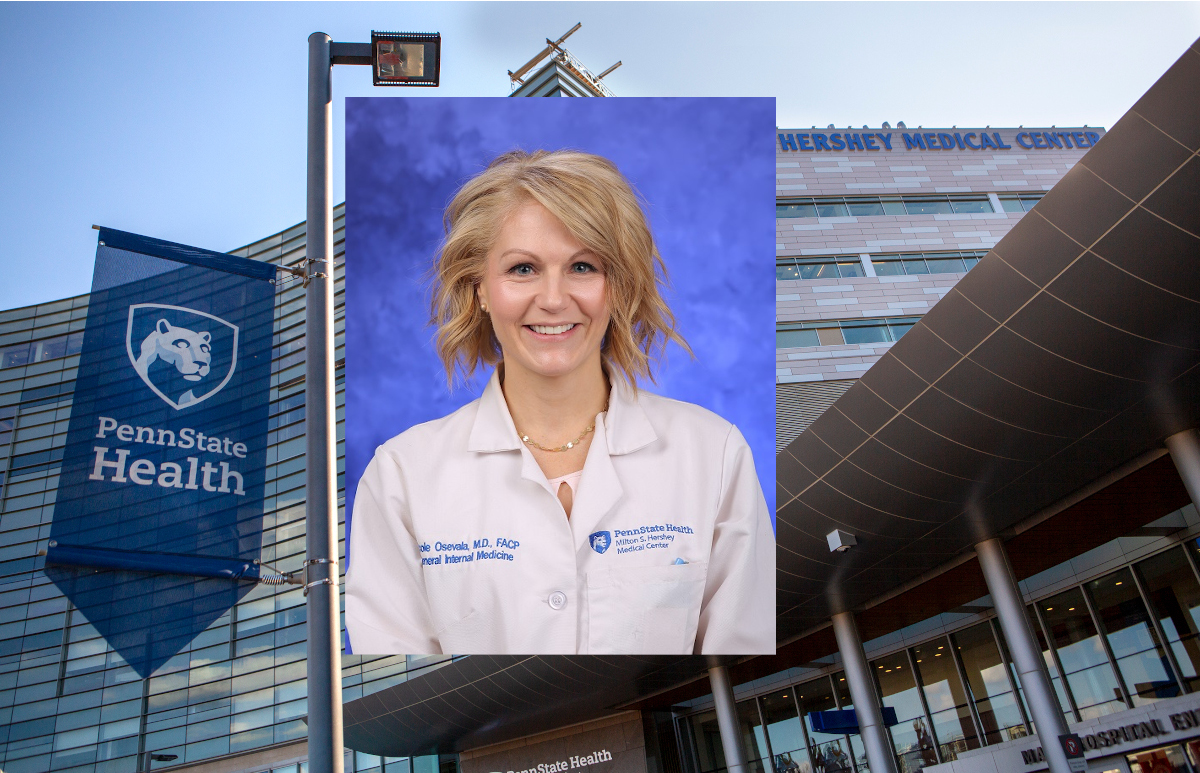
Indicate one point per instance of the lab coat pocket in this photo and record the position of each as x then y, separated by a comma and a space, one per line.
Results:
647, 610
469, 636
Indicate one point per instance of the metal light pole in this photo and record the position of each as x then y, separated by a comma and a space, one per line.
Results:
321, 570
396, 59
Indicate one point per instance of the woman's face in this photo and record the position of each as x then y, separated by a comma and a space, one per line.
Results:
545, 293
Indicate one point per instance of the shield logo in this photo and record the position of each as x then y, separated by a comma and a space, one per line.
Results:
600, 541
185, 356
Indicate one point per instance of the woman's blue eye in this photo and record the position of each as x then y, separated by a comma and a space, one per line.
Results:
521, 269
582, 268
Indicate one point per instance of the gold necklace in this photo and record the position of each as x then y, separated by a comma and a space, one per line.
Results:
567, 446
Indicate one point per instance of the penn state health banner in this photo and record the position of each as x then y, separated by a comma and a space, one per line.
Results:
157, 525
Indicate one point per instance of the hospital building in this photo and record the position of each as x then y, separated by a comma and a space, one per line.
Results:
988, 389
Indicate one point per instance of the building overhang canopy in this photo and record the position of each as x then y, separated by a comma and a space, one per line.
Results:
1070, 349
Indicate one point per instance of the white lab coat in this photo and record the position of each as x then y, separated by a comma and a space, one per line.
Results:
459, 545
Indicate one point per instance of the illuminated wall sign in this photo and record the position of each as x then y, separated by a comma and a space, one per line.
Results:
940, 139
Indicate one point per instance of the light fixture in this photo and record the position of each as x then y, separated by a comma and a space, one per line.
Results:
840, 541
406, 58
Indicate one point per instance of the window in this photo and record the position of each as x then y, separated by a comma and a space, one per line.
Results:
837, 332
869, 206
754, 739
1175, 596
1085, 665
1022, 202
818, 268
947, 700
786, 734
900, 264
40, 351
987, 678
1140, 657
828, 751
914, 744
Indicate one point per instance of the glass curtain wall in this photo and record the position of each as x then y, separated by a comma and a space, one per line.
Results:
754, 738
857, 750
1083, 655
914, 744
1132, 638
788, 748
1174, 596
1001, 716
1134, 631
953, 725
830, 752
1065, 702
706, 742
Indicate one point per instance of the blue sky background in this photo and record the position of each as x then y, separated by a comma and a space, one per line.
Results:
185, 121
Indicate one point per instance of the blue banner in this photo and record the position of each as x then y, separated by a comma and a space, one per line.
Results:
158, 521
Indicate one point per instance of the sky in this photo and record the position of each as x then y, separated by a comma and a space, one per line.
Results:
186, 121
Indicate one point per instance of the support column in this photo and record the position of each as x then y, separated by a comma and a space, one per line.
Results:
1185, 452
880, 755
727, 721
1026, 654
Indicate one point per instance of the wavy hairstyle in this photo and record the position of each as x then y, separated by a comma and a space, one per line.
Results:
595, 202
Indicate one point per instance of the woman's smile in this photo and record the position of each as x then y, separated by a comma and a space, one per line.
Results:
552, 330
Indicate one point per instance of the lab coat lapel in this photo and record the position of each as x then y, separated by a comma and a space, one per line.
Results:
625, 429
493, 429
599, 489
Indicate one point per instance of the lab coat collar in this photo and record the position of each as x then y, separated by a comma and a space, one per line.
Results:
493, 429
627, 428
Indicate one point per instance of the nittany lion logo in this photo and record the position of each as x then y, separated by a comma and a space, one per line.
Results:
601, 541
174, 350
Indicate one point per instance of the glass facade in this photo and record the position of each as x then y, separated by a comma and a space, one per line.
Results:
890, 264
833, 332
67, 702
1123, 640
868, 206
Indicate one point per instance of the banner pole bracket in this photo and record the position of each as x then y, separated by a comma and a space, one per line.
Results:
324, 580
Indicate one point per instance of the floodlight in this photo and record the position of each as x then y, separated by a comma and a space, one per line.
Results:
840, 541
406, 58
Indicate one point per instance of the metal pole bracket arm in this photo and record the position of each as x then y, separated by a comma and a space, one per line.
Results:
322, 581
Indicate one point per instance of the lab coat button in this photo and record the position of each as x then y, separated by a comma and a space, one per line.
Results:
557, 600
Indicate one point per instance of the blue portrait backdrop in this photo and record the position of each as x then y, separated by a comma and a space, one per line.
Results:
705, 169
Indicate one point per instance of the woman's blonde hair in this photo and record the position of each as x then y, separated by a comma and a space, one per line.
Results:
598, 206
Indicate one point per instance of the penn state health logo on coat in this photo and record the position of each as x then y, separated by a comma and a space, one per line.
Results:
185, 356
601, 541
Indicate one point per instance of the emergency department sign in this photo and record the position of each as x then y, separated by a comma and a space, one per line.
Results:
158, 520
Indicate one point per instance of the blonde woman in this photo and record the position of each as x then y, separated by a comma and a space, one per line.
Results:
566, 510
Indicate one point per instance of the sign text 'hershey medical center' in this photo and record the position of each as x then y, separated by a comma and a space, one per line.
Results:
938, 139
